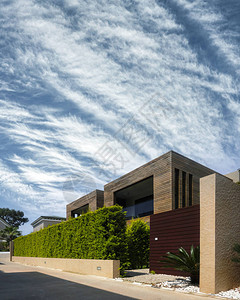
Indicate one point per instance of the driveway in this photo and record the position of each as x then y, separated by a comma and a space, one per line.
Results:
24, 282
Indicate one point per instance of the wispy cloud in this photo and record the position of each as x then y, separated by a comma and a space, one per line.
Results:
73, 73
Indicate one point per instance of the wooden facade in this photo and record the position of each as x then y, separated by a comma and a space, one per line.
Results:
94, 199
176, 180
170, 231
163, 170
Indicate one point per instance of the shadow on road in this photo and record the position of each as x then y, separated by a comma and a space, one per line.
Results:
35, 285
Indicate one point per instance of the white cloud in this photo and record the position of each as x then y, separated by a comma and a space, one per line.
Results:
73, 80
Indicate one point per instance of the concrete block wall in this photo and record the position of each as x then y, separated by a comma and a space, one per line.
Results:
219, 231
105, 268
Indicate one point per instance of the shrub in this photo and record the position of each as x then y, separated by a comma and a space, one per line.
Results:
138, 243
184, 261
94, 235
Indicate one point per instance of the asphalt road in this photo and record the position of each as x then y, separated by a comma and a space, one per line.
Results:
22, 282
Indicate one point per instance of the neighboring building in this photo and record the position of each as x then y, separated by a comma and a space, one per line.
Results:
3, 224
168, 182
235, 176
45, 221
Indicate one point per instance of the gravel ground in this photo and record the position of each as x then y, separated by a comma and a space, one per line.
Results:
177, 283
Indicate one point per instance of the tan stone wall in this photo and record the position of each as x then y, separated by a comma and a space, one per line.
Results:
219, 231
109, 268
235, 176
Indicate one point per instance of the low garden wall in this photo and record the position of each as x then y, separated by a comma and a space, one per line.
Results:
105, 268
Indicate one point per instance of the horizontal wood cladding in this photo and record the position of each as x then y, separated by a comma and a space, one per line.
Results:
164, 188
95, 200
159, 168
174, 229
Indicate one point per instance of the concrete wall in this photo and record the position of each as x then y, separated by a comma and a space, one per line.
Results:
219, 231
235, 176
4, 256
105, 268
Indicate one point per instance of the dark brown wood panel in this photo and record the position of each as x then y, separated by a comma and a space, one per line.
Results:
174, 229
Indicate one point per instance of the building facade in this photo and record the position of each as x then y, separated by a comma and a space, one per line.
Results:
45, 221
91, 201
168, 182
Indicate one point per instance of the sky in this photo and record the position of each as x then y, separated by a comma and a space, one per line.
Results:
90, 90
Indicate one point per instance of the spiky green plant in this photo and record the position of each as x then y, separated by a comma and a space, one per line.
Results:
236, 248
184, 261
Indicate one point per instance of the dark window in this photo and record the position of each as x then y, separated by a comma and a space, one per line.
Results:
142, 207
176, 187
183, 189
79, 211
190, 189
136, 199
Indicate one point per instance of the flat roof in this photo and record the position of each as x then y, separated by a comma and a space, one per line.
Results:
47, 218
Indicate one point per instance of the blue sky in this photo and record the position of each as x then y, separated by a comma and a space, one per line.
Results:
86, 83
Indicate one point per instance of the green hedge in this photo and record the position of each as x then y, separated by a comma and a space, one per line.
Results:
137, 237
94, 235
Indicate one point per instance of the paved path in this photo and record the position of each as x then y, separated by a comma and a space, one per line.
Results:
24, 282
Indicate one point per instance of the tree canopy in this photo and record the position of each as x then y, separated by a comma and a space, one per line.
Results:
14, 218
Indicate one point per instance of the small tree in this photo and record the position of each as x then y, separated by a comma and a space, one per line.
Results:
14, 218
137, 235
9, 234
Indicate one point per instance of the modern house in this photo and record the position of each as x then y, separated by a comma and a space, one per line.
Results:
3, 224
168, 182
45, 221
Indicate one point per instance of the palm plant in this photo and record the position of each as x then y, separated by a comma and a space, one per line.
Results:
184, 261
9, 233
236, 248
